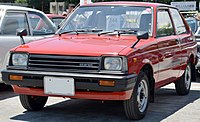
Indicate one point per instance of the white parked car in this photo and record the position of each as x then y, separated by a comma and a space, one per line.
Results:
37, 24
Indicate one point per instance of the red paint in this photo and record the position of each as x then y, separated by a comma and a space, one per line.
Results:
81, 95
166, 58
83, 44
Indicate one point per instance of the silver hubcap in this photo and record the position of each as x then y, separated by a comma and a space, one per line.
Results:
187, 77
142, 95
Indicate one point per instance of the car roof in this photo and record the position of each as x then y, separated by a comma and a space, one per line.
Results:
128, 3
9, 7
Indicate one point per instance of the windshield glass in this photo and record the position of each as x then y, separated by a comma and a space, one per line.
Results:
110, 18
40, 24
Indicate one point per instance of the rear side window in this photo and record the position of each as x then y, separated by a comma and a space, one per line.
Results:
164, 24
57, 21
40, 24
13, 21
178, 22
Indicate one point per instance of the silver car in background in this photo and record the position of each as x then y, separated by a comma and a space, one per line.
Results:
197, 36
195, 27
37, 24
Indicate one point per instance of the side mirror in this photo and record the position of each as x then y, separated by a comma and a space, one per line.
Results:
142, 35
21, 32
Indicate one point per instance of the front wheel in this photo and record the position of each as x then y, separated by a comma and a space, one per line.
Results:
136, 107
32, 103
183, 85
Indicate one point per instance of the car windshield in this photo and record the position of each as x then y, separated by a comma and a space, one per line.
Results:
110, 18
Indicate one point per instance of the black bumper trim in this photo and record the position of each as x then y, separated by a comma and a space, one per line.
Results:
88, 82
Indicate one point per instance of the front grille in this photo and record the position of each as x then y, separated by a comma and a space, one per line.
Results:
63, 63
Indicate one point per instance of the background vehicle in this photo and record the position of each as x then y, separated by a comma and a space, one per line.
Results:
193, 23
197, 37
12, 18
107, 51
55, 18
195, 27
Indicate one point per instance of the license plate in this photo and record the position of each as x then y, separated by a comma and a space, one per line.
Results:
59, 86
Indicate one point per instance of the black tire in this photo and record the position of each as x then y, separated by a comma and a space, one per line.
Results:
32, 103
131, 106
4, 87
183, 85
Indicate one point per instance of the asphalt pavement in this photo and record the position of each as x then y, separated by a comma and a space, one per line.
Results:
168, 107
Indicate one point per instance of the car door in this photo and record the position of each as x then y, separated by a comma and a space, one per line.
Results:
184, 39
166, 40
12, 21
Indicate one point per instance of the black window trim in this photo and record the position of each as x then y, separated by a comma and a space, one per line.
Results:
166, 9
48, 22
182, 22
15, 11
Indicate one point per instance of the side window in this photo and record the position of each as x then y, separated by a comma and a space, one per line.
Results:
40, 24
12, 21
164, 24
178, 21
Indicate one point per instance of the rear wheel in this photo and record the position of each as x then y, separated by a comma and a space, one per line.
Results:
32, 103
183, 85
136, 107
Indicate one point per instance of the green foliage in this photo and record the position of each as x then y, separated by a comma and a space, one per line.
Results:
7, 1
21, 1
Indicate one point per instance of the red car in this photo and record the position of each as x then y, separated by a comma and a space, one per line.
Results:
55, 18
107, 51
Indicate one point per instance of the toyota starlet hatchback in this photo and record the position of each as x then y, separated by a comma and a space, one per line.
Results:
107, 51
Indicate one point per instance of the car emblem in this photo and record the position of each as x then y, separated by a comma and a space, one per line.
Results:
85, 64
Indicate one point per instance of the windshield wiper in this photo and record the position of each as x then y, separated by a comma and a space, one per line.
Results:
81, 30
119, 32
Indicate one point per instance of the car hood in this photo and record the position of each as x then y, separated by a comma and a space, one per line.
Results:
82, 44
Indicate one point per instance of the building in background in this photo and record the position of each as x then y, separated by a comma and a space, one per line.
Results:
57, 7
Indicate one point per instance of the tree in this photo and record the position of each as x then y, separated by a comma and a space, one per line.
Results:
7, 1
21, 1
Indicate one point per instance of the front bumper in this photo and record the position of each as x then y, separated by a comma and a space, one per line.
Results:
84, 83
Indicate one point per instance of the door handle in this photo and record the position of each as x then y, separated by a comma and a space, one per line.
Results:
178, 40
168, 55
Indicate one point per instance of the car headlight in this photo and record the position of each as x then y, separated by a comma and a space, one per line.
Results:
113, 63
19, 59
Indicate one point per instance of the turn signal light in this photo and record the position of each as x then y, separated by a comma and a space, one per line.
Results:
106, 83
16, 77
